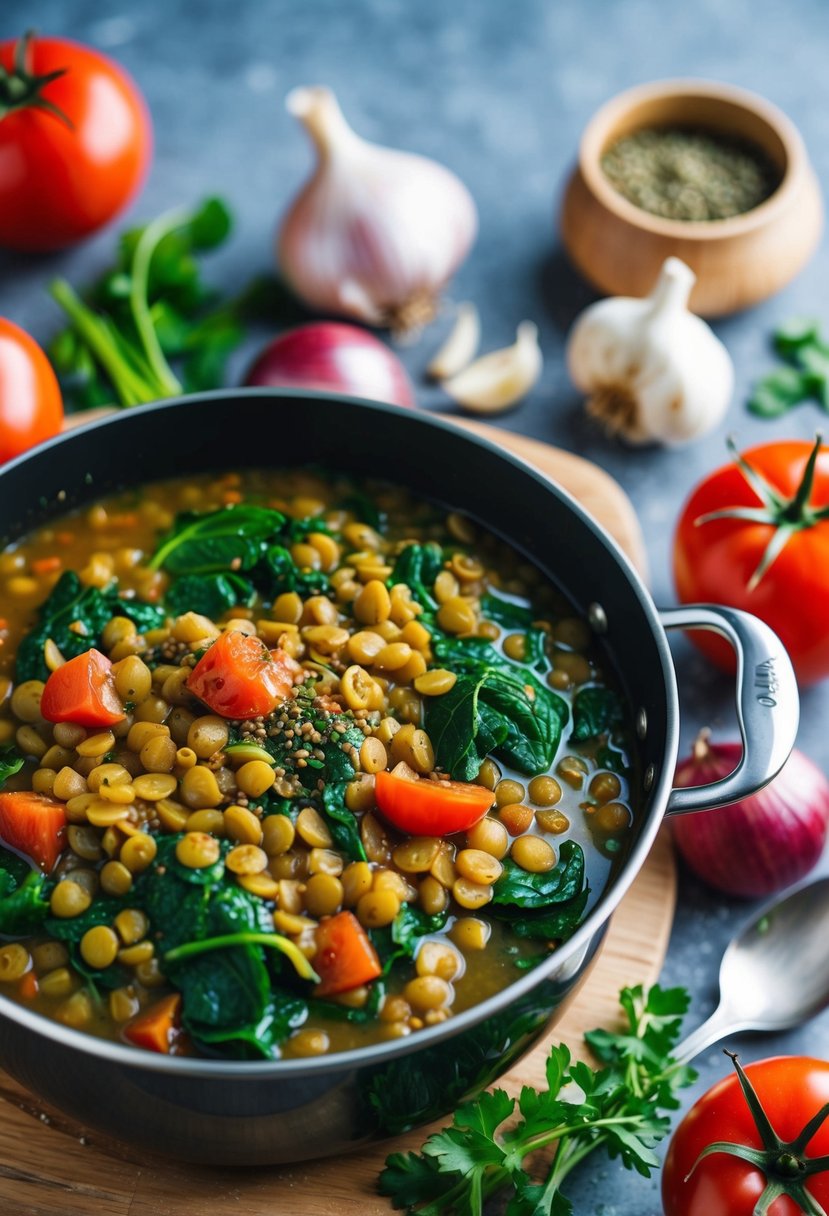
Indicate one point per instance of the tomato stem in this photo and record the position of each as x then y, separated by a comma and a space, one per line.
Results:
787, 516
784, 1164
22, 88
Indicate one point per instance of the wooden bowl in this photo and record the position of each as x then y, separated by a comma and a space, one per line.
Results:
737, 261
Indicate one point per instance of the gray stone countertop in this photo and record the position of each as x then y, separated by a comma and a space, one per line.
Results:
500, 93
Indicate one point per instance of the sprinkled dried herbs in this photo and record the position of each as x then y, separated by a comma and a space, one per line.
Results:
687, 174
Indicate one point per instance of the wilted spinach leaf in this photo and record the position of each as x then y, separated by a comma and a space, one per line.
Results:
453, 724
277, 573
102, 911
212, 542
69, 603
11, 762
400, 938
209, 594
595, 712
418, 566
519, 619
521, 889
490, 710
74, 616
558, 924
24, 903
341, 822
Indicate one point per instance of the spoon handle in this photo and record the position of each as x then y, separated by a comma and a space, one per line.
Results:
715, 1028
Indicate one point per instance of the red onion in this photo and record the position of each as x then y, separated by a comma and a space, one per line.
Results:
764, 843
334, 357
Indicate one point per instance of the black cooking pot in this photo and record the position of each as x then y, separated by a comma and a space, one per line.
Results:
246, 1113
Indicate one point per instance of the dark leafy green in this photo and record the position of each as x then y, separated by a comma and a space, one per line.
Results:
24, 901
453, 724
365, 509
399, 939
70, 603
804, 376
418, 566
151, 313
204, 551
596, 711
278, 573
213, 542
494, 707
74, 616
556, 925
620, 1109
228, 996
11, 762
210, 594
520, 620
102, 911
518, 888
341, 822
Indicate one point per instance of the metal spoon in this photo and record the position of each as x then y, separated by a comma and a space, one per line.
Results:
774, 974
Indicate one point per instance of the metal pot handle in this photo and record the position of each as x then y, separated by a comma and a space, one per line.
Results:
768, 706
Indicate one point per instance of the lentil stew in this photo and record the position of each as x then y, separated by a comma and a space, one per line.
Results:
291, 766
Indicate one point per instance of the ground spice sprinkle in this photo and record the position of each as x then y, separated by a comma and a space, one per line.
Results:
688, 174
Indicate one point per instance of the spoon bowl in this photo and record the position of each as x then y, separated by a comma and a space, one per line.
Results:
773, 975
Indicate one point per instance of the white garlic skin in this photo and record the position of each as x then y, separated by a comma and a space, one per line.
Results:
653, 371
375, 233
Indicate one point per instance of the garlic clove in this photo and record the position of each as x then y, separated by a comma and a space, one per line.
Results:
460, 347
501, 379
374, 233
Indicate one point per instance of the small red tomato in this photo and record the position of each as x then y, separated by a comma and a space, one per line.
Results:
238, 677
430, 808
75, 142
345, 957
31, 407
755, 535
791, 1090
83, 691
34, 824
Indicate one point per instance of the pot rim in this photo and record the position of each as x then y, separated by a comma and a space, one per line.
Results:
377, 1053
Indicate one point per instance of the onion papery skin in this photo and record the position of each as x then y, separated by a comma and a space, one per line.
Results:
764, 843
333, 357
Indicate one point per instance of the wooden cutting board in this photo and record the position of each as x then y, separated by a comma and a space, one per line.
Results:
50, 1166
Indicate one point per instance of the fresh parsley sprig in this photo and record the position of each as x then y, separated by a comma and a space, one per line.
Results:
619, 1108
804, 374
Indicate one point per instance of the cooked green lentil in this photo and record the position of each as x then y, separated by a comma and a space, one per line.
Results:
189, 824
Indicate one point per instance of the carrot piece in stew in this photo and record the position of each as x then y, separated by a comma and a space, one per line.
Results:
27, 987
33, 824
83, 691
430, 808
345, 957
157, 1027
238, 677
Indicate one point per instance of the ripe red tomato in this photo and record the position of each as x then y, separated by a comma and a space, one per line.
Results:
430, 808
791, 1090
238, 677
716, 560
73, 150
31, 408
82, 690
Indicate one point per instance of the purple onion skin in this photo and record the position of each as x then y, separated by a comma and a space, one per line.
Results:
764, 843
333, 357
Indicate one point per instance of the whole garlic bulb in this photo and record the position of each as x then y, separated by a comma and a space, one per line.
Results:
654, 372
374, 233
